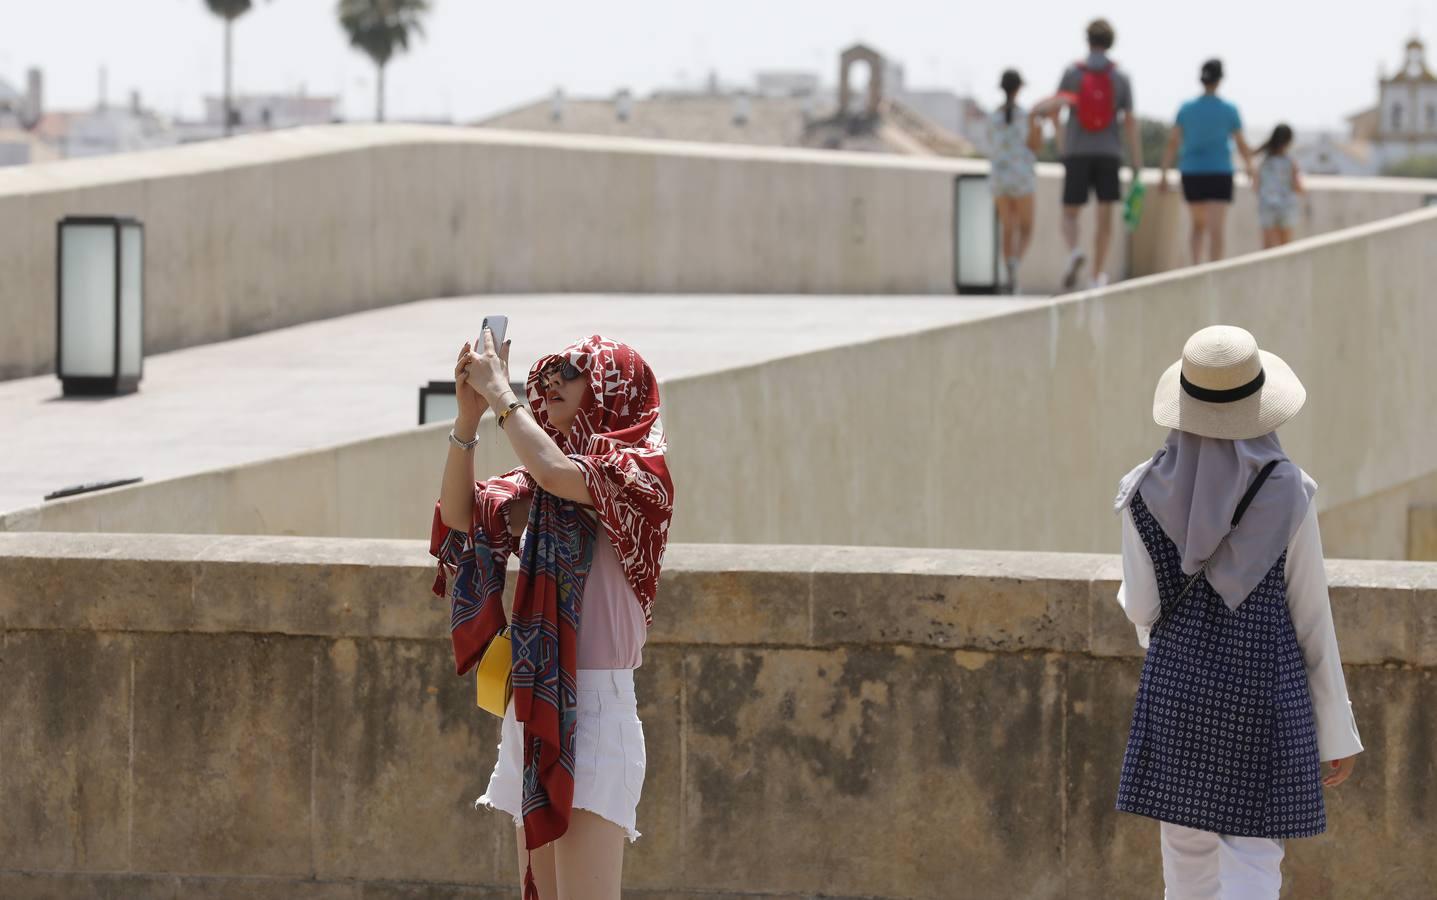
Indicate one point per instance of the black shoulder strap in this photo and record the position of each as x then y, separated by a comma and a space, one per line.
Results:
1164, 610
1252, 491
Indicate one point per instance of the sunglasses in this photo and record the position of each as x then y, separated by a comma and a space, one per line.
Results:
564, 371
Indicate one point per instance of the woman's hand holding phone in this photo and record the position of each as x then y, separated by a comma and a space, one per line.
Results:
471, 403
489, 369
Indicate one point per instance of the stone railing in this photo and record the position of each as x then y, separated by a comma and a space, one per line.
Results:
278, 717
1007, 432
269, 230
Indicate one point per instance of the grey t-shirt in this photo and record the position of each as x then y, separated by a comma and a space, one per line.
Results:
1108, 142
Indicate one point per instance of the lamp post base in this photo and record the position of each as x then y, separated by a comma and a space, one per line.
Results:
77, 386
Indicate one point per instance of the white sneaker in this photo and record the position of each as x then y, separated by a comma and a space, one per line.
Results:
1098, 281
1075, 265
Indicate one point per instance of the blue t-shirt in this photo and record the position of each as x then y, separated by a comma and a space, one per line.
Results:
1208, 123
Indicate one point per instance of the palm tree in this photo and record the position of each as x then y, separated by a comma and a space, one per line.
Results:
381, 28
229, 10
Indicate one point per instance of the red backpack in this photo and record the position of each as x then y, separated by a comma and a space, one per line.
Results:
1096, 104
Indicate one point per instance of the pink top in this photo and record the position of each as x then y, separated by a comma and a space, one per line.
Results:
611, 623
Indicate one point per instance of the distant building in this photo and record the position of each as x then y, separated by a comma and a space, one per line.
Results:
22, 110
19, 111
774, 83
259, 112
262, 111
1329, 153
723, 117
953, 111
31, 133
105, 130
19, 146
783, 108
1402, 125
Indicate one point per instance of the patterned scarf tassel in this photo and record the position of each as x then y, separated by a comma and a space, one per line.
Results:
531, 889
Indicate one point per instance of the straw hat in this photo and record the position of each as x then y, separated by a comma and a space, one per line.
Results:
1225, 387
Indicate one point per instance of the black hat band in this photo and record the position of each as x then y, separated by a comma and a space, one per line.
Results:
1229, 396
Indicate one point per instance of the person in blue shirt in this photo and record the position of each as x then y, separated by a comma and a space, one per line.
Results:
1207, 127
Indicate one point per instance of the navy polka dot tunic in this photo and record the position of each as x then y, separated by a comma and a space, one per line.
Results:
1223, 737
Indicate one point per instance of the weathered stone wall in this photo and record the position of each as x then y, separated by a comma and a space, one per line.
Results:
264, 231
278, 718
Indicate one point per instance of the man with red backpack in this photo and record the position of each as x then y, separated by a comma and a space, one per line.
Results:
1099, 98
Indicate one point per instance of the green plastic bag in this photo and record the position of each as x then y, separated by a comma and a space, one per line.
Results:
1133, 205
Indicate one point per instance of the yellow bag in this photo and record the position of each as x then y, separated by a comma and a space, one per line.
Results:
493, 677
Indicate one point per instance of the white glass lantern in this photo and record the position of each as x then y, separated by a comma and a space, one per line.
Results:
100, 305
437, 402
975, 236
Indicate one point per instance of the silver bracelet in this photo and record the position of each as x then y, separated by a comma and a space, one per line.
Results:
463, 445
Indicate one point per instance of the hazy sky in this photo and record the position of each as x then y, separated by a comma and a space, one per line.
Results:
1286, 61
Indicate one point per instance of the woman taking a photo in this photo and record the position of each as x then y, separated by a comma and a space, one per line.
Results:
1241, 716
1205, 130
588, 511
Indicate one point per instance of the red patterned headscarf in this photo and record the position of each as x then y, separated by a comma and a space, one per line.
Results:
617, 439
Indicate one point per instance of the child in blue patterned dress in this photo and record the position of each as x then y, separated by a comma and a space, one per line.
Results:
1279, 183
1014, 137
1241, 716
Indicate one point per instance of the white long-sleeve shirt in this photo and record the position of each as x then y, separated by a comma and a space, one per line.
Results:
1311, 612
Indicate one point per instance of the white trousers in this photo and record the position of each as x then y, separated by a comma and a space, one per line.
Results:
1202, 865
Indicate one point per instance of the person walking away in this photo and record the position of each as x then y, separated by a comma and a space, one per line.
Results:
1241, 715
1205, 130
1279, 183
1099, 97
1015, 138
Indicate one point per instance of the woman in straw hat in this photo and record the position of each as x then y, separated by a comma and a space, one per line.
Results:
1242, 713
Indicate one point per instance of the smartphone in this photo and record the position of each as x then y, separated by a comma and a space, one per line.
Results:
498, 325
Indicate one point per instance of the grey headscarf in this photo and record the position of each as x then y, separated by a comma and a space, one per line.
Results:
1193, 485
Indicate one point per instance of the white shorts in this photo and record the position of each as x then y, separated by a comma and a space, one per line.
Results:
609, 757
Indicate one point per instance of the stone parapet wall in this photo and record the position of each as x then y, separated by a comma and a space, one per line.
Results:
264, 231
278, 717
1007, 432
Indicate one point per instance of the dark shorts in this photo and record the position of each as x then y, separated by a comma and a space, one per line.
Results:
1208, 187
1085, 174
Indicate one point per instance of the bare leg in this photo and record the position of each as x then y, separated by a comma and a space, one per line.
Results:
1270, 238
1103, 238
1284, 235
1075, 254
1070, 226
1024, 209
1198, 213
543, 862
1216, 218
1008, 225
589, 859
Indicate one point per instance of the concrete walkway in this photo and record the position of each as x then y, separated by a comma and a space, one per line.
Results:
357, 376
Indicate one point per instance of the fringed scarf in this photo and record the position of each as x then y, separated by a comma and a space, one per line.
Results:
617, 439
